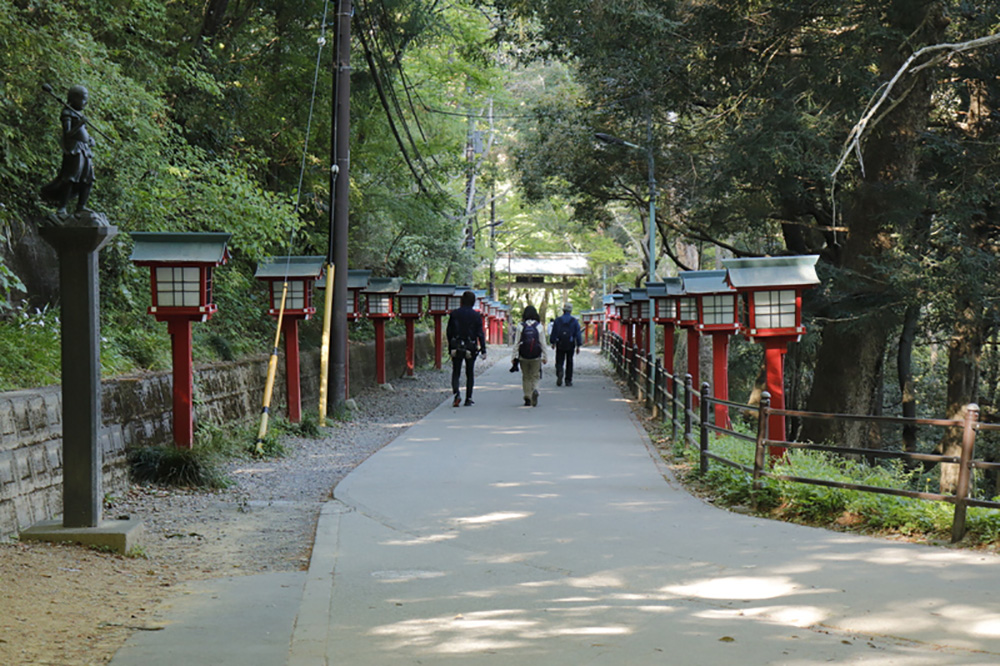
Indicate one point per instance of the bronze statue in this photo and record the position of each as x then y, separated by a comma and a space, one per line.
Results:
76, 175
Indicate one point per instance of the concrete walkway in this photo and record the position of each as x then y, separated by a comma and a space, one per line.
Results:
503, 534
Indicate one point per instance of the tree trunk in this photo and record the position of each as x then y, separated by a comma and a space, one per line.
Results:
964, 350
890, 176
904, 373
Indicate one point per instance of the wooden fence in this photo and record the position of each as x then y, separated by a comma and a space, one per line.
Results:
673, 399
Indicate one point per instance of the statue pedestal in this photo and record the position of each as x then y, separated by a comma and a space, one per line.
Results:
77, 247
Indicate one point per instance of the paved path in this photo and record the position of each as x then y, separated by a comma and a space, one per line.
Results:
501, 534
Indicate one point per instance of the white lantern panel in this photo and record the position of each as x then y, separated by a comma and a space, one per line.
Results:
719, 309
688, 308
644, 310
666, 308
178, 286
439, 303
378, 303
350, 304
295, 299
410, 304
774, 309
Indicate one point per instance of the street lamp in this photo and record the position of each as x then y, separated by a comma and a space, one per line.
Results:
614, 140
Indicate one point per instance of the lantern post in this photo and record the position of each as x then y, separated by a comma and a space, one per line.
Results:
687, 318
378, 303
438, 303
716, 317
411, 308
641, 317
664, 296
772, 290
181, 282
625, 312
300, 274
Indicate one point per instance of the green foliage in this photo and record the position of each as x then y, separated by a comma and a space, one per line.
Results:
29, 345
837, 507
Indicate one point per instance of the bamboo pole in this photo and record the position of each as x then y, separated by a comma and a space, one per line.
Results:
272, 371
324, 356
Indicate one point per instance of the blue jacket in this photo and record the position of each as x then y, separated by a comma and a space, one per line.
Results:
566, 323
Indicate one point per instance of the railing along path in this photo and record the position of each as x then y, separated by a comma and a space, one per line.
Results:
672, 398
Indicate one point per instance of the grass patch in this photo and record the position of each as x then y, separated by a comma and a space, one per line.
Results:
173, 466
835, 508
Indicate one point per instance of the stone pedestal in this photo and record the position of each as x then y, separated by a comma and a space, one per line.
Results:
77, 244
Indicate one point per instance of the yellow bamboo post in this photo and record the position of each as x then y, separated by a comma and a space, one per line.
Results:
324, 355
272, 371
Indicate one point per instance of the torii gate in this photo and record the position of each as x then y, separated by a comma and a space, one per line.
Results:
558, 271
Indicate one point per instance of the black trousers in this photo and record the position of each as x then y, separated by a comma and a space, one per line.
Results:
565, 357
456, 374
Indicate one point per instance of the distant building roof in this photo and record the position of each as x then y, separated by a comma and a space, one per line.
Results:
545, 264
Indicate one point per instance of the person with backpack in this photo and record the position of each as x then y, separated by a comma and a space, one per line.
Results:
567, 340
529, 355
466, 340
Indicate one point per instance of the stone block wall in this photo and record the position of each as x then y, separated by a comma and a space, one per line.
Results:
137, 411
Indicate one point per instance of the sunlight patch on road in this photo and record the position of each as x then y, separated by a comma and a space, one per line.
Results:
421, 541
794, 616
736, 587
495, 517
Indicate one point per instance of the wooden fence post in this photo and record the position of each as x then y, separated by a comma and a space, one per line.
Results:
673, 407
964, 472
760, 451
688, 408
703, 435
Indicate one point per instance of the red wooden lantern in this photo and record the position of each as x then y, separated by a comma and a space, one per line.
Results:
640, 316
379, 308
300, 275
665, 296
716, 305
357, 282
687, 318
181, 267
772, 288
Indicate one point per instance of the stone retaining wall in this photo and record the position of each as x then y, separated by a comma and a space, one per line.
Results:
137, 411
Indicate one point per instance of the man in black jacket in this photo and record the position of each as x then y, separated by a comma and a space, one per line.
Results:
466, 340
567, 340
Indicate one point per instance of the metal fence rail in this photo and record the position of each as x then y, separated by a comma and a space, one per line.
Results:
670, 398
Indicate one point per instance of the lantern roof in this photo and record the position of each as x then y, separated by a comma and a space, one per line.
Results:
758, 272
383, 285
357, 278
607, 299
639, 295
414, 289
310, 268
459, 290
618, 298
180, 247
441, 289
704, 282
670, 286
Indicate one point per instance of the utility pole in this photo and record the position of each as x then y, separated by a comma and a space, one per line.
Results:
493, 241
340, 190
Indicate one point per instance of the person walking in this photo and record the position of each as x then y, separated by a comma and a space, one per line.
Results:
567, 340
466, 340
529, 355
